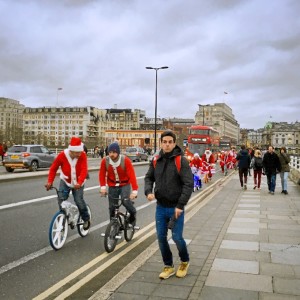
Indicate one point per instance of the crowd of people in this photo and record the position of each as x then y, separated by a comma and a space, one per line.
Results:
268, 163
169, 180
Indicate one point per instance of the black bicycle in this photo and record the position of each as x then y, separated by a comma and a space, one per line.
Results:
118, 223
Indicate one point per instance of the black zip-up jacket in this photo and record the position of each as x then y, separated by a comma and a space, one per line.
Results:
271, 163
243, 158
172, 189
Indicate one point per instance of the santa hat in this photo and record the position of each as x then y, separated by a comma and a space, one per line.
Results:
196, 155
75, 144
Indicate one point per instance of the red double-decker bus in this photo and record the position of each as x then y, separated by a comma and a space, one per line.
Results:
201, 138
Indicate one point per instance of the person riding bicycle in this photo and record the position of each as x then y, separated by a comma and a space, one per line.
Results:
117, 172
73, 164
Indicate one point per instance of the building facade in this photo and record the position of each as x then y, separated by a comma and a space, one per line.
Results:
220, 117
281, 134
11, 121
54, 126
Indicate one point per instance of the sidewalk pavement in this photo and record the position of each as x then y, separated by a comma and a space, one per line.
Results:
242, 245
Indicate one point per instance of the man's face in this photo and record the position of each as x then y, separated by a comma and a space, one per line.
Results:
113, 155
270, 149
75, 154
167, 144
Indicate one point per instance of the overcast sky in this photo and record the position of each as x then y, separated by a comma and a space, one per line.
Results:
97, 51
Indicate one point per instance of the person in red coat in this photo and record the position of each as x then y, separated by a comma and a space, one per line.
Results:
73, 164
1, 151
196, 161
117, 172
225, 161
207, 164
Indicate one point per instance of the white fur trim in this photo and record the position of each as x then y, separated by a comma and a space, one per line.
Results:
76, 148
115, 164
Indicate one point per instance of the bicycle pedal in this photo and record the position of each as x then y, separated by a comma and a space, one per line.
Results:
103, 234
118, 237
136, 227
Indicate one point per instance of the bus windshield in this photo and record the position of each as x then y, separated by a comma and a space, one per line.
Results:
199, 131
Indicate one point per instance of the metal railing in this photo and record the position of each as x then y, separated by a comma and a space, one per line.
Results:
295, 162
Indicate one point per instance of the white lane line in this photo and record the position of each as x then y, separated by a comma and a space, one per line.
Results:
43, 251
47, 197
144, 233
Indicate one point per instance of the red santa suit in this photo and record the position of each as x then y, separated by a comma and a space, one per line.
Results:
196, 161
225, 159
115, 175
207, 163
73, 171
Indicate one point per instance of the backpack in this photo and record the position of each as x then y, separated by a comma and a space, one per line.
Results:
177, 162
258, 163
122, 164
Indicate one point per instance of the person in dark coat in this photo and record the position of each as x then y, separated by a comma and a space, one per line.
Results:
173, 189
272, 166
244, 160
284, 159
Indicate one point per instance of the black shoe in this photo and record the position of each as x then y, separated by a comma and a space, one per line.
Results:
285, 192
86, 224
132, 220
282, 192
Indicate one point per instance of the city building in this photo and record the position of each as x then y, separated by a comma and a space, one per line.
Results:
281, 134
54, 126
181, 127
11, 121
220, 117
129, 138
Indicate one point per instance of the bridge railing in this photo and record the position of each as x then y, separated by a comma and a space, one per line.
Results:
294, 174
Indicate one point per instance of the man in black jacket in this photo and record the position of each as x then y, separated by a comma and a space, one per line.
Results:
272, 166
173, 188
243, 158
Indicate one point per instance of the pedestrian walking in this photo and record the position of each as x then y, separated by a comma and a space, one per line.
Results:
1, 152
272, 166
208, 161
173, 188
101, 152
284, 159
244, 161
257, 165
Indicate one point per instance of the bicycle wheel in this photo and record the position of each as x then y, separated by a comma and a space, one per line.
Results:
110, 240
128, 231
82, 232
58, 230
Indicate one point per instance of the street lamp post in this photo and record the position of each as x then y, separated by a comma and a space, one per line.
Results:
58, 89
155, 109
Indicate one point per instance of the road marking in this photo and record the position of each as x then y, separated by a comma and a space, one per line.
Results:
144, 233
106, 291
6, 206
43, 251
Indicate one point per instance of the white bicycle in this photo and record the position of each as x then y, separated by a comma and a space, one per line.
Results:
68, 215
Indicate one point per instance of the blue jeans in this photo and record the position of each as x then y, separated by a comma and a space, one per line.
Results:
271, 182
163, 215
64, 191
284, 177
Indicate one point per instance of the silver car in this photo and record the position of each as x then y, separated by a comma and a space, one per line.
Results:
29, 157
136, 153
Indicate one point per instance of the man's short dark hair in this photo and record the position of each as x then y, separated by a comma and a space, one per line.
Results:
243, 147
168, 133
